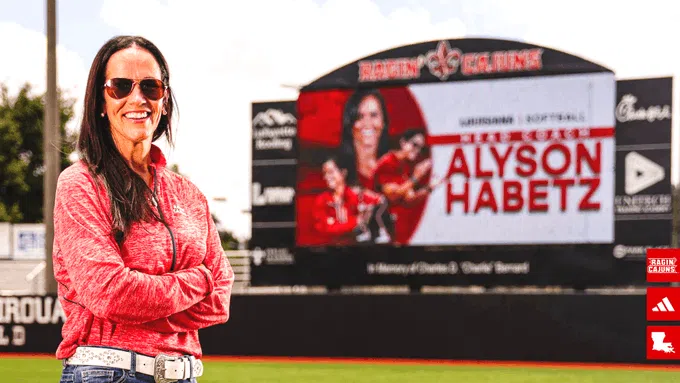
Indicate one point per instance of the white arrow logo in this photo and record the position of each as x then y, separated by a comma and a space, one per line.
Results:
641, 173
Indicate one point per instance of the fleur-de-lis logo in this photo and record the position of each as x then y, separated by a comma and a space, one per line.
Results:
443, 61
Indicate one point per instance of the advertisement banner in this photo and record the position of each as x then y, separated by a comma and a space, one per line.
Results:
643, 202
506, 161
662, 303
273, 193
661, 341
28, 241
662, 265
30, 323
274, 131
274, 168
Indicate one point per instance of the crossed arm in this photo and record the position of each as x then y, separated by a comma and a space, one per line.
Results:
178, 301
213, 309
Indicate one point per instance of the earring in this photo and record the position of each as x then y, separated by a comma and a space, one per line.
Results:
165, 111
103, 114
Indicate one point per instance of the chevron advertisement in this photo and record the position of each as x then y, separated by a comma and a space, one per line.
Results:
503, 161
643, 202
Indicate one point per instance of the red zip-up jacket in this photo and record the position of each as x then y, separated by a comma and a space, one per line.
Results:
130, 297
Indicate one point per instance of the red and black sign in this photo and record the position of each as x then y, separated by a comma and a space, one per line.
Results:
445, 61
662, 265
453, 60
663, 304
663, 342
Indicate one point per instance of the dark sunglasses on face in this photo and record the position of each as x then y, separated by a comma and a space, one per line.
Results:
151, 88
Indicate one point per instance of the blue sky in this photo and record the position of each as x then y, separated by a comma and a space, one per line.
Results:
248, 48
79, 26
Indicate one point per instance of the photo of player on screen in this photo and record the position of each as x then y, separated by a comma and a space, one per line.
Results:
400, 176
346, 215
357, 127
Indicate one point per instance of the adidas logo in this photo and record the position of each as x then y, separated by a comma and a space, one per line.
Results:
665, 306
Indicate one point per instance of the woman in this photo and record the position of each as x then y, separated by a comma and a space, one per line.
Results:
364, 136
402, 177
344, 215
137, 257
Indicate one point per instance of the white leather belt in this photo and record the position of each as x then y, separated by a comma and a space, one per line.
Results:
164, 368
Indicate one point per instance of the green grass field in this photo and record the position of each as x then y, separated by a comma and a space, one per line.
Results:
40, 370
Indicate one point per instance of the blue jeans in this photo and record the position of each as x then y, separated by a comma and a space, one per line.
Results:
96, 374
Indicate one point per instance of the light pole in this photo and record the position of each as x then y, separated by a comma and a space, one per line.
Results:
51, 144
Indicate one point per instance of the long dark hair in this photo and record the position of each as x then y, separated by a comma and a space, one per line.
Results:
128, 192
347, 154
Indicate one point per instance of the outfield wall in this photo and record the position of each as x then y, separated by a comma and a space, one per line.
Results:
578, 328
570, 328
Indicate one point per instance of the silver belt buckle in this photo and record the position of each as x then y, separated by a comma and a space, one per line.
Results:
159, 368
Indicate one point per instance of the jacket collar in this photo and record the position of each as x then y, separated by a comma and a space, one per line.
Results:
157, 158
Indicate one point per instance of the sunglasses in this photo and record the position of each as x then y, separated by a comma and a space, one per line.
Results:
151, 88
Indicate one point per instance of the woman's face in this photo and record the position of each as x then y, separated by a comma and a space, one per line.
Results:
332, 175
413, 147
133, 118
368, 127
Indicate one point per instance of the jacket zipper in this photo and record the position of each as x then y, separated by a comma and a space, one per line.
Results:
157, 203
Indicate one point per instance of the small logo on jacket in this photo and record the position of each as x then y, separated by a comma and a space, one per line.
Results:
178, 209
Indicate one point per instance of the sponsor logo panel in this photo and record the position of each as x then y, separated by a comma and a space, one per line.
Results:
662, 265
274, 131
662, 342
663, 304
